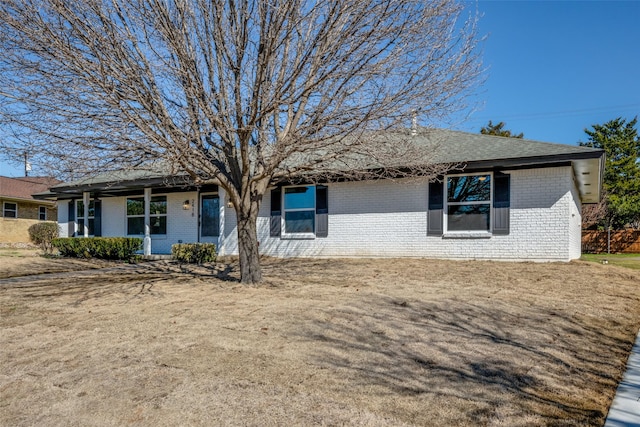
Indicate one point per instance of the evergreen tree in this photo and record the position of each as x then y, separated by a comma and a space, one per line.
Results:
619, 139
498, 130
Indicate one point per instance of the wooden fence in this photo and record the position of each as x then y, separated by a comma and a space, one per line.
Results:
622, 241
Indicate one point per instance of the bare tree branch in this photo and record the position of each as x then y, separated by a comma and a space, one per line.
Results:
595, 214
244, 92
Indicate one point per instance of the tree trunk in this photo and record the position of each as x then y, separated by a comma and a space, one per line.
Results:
250, 270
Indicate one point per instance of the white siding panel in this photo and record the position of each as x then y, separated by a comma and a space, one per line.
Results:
114, 216
63, 218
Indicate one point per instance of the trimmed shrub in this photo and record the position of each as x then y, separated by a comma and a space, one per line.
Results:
194, 253
42, 234
70, 247
114, 248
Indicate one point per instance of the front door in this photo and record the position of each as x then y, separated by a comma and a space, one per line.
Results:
209, 218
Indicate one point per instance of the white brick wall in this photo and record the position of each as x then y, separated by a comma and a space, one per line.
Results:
387, 218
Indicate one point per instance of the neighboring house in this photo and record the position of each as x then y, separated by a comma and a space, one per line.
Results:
20, 210
509, 199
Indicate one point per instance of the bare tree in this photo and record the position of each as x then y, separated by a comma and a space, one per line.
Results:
595, 214
244, 92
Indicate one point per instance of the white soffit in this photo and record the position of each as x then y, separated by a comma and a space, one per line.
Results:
588, 174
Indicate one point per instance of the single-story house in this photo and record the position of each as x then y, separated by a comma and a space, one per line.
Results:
20, 210
507, 199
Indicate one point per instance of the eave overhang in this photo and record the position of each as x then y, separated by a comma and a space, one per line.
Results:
588, 169
34, 199
165, 184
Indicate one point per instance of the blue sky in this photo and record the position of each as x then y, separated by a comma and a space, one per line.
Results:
554, 68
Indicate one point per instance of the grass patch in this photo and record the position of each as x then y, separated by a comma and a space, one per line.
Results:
622, 260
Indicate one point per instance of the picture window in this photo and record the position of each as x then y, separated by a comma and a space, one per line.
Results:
468, 203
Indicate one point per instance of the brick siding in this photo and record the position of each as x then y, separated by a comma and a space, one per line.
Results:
389, 218
15, 230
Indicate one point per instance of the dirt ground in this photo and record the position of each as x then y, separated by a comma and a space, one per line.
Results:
383, 342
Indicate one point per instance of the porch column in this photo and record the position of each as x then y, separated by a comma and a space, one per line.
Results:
147, 222
223, 215
85, 202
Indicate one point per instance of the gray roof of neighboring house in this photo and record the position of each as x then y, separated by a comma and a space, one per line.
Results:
474, 151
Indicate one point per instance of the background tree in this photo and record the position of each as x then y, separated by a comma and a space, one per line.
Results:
498, 130
595, 214
246, 92
619, 139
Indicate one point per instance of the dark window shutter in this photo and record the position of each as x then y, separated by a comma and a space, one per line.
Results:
72, 217
276, 211
322, 211
501, 203
97, 218
435, 215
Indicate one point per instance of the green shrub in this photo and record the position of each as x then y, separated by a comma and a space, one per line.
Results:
42, 234
70, 247
194, 253
115, 248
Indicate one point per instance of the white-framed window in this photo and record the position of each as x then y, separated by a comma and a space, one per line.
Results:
468, 203
157, 215
299, 205
10, 210
42, 213
80, 217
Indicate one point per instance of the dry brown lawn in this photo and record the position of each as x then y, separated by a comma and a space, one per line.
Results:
384, 342
26, 262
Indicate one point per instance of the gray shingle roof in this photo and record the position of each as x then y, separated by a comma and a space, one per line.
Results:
442, 146
458, 147
114, 177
